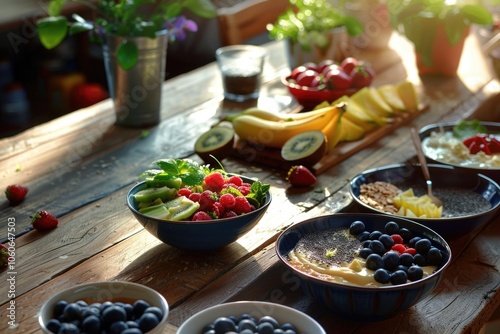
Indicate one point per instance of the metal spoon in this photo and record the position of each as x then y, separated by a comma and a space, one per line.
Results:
423, 164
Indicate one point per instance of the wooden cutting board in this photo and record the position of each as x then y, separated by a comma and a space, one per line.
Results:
272, 156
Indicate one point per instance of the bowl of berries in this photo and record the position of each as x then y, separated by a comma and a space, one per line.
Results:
313, 83
194, 207
366, 267
105, 307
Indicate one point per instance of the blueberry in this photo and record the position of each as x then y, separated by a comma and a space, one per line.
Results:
399, 277
132, 324
59, 308
423, 245
91, 310
366, 243
244, 331
434, 256
415, 273
68, 328
382, 276
405, 234
288, 326
375, 235
387, 240
364, 236
406, 259
111, 314
156, 311
91, 324
391, 228
413, 241
224, 324
276, 331
270, 320
357, 227
377, 247
247, 324
133, 331
374, 262
139, 307
148, 321
265, 328
391, 260
129, 309
117, 327
53, 325
420, 260
72, 311
403, 268
365, 252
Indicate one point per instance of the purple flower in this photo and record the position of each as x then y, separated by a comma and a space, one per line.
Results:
178, 27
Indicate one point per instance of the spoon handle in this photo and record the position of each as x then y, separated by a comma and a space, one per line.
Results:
421, 158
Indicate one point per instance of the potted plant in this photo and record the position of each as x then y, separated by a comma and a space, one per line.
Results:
314, 30
134, 34
438, 29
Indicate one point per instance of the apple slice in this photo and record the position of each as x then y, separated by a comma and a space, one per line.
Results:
391, 96
408, 94
370, 99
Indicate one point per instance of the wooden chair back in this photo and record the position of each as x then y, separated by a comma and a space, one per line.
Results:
248, 19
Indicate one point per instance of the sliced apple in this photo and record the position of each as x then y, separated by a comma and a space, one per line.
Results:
391, 96
408, 94
352, 131
358, 115
371, 101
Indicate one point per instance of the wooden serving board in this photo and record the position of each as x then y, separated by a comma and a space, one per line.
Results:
272, 156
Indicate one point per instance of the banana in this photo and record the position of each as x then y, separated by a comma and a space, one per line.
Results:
333, 130
268, 133
279, 117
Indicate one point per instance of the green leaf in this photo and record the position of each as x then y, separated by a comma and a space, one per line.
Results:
477, 14
454, 26
467, 129
202, 8
52, 30
127, 54
353, 26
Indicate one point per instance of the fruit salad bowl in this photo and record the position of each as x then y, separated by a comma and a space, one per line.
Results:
257, 310
81, 304
360, 297
470, 199
198, 235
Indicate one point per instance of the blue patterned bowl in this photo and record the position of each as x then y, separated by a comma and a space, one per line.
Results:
199, 235
362, 303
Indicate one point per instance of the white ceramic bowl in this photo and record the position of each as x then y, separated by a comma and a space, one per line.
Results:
104, 291
283, 314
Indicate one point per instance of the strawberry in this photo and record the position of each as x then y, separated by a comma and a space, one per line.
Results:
300, 176
44, 220
15, 193
4, 256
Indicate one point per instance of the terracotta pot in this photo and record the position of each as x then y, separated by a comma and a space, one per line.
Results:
445, 57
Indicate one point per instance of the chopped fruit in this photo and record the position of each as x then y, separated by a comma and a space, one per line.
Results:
201, 215
16, 193
300, 176
4, 256
44, 220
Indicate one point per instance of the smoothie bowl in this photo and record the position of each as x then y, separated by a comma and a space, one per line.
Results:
366, 267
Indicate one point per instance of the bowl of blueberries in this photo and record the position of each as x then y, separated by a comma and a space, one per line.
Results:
364, 266
250, 317
105, 307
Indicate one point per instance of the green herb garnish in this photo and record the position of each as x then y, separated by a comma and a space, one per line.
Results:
466, 129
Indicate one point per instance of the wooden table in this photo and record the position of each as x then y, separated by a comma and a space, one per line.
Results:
80, 167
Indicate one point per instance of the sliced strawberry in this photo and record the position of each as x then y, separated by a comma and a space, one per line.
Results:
16, 193
300, 176
4, 256
44, 220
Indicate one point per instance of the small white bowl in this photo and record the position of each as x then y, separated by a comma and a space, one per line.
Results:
104, 291
283, 314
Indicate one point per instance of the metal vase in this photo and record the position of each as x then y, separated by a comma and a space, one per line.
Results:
137, 92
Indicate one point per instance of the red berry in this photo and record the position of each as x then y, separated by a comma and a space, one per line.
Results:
300, 176
245, 190
195, 197
207, 200
241, 205
44, 220
227, 200
15, 193
184, 192
201, 215
397, 238
411, 251
215, 181
400, 248
218, 209
236, 180
229, 214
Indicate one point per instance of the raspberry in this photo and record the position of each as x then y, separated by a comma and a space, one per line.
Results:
397, 238
218, 209
245, 190
227, 200
207, 200
215, 181
201, 215
229, 214
241, 205
411, 251
400, 248
236, 180
195, 197
184, 192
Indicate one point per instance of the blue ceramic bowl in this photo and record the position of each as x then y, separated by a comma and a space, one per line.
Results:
362, 303
199, 235
450, 228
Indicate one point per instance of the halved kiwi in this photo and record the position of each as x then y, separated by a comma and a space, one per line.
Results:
306, 148
218, 142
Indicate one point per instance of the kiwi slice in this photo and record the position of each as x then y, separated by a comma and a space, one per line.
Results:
156, 211
217, 142
157, 182
306, 148
150, 194
184, 210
